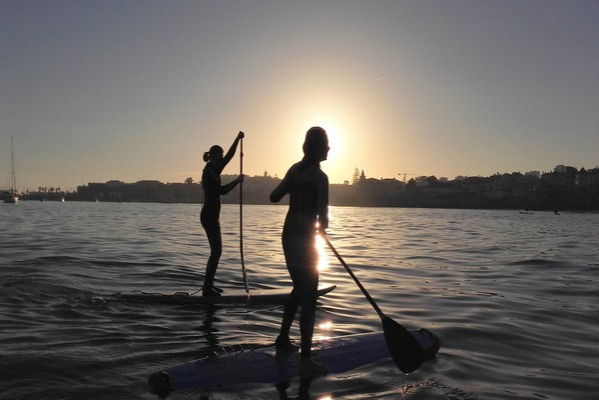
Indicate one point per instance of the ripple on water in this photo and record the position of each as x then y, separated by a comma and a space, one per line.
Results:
513, 300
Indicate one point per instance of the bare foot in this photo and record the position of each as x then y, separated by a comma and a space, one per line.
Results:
284, 345
308, 368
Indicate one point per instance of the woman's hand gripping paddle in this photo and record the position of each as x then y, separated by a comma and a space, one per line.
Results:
403, 347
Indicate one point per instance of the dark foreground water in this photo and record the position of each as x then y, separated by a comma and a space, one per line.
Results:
512, 296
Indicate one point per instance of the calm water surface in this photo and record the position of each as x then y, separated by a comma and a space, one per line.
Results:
512, 296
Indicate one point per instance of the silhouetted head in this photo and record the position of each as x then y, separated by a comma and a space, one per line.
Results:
316, 145
215, 153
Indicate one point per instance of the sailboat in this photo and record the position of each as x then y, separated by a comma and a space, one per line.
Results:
11, 196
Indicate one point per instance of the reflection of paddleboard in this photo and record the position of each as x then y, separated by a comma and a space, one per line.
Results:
338, 354
238, 296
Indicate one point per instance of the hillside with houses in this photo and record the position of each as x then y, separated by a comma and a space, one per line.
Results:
564, 188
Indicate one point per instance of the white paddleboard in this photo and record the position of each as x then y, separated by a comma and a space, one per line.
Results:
235, 296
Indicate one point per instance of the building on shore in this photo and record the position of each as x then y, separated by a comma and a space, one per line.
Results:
565, 188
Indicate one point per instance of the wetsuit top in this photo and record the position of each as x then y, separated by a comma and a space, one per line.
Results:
307, 186
212, 192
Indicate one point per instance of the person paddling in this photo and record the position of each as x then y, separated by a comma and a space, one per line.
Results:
210, 214
308, 188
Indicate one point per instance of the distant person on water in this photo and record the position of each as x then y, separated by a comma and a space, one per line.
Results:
210, 215
308, 189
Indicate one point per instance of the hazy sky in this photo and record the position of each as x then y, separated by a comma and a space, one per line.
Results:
133, 90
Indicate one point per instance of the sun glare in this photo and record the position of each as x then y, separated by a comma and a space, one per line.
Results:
323, 261
324, 330
334, 134
337, 142
327, 325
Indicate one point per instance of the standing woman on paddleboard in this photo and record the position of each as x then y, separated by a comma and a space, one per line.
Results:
210, 215
308, 189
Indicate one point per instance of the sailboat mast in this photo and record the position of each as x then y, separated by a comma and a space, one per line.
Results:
13, 178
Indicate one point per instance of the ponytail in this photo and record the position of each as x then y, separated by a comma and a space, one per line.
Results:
216, 149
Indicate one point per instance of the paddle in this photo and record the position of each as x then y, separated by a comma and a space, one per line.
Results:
245, 278
403, 347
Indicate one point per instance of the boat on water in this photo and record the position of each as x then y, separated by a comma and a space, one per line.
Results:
11, 196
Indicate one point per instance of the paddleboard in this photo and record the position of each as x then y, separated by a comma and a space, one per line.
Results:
236, 296
238, 366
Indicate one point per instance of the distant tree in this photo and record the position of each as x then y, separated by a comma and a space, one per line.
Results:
362, 176
189, 181
432, 180
356, 176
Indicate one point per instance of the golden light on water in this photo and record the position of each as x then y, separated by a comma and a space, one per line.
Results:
324, 331
323, 260
327, 325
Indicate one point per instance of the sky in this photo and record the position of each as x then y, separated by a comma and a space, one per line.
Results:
93, 91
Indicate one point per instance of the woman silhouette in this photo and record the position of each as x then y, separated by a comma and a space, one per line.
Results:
210, 215
308, 189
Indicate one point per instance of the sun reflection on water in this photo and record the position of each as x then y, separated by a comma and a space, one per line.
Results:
327, 325
323, 260
324, 331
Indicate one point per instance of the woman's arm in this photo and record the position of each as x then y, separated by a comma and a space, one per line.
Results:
281, 190
323, 202
231, 151
229, 186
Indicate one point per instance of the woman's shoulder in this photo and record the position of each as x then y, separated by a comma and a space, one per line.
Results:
295, 168
211, 171
305, 171
323, 176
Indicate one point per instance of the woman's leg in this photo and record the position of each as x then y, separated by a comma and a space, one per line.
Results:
308, 313
290, 250
216, 248
302, 260
289, 315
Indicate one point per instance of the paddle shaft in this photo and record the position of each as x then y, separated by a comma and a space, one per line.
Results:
245, 279
368, 297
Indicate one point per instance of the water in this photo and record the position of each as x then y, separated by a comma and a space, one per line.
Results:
513, 297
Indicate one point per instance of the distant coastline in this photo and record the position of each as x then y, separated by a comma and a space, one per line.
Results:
566, 188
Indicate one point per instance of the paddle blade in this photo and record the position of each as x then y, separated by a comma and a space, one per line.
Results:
405, 350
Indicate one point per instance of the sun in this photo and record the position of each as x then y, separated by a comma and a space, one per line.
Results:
334, 133
339, 142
